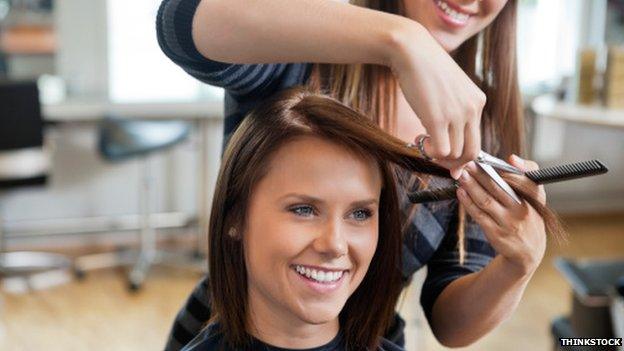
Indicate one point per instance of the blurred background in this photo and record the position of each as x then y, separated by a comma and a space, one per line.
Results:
108, 156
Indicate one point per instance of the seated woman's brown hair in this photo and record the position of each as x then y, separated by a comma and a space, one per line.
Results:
288, 116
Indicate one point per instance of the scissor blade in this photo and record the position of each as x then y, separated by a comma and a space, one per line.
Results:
496, 162
499, 181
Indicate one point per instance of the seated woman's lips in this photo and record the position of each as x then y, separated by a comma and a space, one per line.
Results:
319, 279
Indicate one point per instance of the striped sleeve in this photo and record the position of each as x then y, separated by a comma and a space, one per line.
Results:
443, 267
174, 24
191, 318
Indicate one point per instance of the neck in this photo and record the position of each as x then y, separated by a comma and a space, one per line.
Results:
274, 325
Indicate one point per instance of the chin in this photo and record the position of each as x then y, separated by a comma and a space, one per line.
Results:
449, 42
319, 314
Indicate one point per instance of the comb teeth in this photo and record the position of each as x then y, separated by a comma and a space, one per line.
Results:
566, 172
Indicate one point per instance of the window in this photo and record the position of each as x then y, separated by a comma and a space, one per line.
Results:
548, 39
138, 69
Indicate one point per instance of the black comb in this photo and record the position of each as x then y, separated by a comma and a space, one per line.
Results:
540, 176
567, 172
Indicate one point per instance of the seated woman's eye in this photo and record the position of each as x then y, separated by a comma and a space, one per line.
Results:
302, 210
361, 214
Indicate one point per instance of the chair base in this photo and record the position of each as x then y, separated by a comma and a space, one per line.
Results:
24, 263
139, 263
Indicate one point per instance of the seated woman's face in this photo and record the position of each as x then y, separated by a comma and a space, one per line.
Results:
311, 231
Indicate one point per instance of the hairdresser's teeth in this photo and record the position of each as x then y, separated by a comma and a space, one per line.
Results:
319, 275
462, 17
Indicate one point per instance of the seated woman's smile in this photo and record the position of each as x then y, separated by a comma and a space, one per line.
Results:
311, 233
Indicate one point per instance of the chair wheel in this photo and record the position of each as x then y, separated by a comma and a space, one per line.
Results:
197, 254
134, 287
80, 274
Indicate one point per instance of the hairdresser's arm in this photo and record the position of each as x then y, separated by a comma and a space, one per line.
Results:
270, 31
471, 306
448, 103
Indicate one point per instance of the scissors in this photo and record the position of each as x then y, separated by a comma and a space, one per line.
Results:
488, 164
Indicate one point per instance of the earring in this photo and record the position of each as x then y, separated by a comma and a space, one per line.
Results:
232, 232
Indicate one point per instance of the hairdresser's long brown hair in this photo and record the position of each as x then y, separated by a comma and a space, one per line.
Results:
290, 114
371, 89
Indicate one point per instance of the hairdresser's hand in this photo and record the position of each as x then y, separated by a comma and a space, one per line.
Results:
445, 99
515, 231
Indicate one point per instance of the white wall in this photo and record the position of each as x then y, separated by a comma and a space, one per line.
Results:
82, 184
82, 46
581, 142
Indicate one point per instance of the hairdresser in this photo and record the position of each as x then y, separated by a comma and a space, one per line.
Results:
444, 68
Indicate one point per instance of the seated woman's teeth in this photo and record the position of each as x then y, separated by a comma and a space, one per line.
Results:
319, 275
462, 17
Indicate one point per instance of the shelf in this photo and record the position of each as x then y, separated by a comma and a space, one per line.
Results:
28, 40
549, 106
86, 110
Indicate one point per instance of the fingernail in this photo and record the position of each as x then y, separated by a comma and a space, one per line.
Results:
517, 159
455, 174
464, 176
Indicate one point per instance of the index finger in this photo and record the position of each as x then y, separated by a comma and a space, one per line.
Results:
438, 144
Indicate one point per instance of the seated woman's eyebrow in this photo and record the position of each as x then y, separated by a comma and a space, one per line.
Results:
367, 202
302, 197
316, 200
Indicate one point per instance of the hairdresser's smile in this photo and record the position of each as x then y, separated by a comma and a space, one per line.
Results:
453, 14
452, 22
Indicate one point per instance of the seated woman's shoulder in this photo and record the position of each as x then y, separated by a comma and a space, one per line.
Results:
387, 345
210, 338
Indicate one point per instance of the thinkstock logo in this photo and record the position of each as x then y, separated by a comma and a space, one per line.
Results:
590, 341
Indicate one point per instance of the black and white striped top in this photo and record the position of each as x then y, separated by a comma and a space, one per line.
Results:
211, 339
430, 238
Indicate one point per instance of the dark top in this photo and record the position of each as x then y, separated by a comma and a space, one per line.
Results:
211, 339
430, 238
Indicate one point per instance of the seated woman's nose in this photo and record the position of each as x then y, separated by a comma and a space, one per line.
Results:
331, 241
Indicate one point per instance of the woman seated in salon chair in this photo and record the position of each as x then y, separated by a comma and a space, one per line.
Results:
305, 231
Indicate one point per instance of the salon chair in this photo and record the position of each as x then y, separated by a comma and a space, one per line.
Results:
597, 291
23, 163
126, 139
